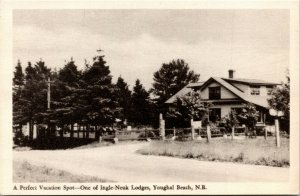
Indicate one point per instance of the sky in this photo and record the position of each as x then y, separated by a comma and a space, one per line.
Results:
255, 43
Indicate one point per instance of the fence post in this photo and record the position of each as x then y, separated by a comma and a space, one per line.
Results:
192, 129
277, 135
266, 133
208, 133
232, 132
116, 139
174, 132
161, 126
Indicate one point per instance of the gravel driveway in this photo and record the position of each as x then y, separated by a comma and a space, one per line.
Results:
120, 163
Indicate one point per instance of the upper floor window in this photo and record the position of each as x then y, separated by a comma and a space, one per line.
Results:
255, 90
214, 92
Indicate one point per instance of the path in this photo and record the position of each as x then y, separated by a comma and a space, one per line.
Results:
120, 163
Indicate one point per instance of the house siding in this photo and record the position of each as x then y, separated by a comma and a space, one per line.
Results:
245, 88
225, 109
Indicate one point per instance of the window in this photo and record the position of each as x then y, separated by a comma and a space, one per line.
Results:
214, 92
214, 114
261, 117
255, 90
269, 90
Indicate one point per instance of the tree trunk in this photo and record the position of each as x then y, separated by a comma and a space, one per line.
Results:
78, 130
72, 131
84, 131
87, 131
61, 133
30, 130
96, 133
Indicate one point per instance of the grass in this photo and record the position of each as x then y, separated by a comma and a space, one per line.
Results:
248, 151
26, 172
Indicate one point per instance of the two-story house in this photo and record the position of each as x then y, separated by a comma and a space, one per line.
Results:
230, 93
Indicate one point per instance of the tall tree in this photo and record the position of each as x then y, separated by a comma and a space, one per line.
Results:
18, 83
141, 112
123, 98
280, 101
172, 77
97, 99
65, 94
34, 94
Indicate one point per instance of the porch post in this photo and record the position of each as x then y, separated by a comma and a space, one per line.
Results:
192, 129
277, 132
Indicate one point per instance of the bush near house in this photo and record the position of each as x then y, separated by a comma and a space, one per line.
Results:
248, 151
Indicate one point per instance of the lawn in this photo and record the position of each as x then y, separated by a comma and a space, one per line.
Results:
248, 151
26, 172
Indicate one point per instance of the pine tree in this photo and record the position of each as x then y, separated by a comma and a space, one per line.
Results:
141, 112
18, 79
18, 83
64, 96
34, 94
123, 98
97, 100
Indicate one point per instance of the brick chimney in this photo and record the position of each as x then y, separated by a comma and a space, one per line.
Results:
231, 73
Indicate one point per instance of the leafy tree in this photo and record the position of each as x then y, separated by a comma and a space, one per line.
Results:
123, 98
249, 116
280, 101
188, 107
141, 112
280, 98
170, 78
230, 121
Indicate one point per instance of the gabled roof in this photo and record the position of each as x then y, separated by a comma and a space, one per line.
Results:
249, 81
184, 91
228, 83
257, 100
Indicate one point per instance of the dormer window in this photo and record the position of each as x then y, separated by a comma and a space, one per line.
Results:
214, 92
255, 90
